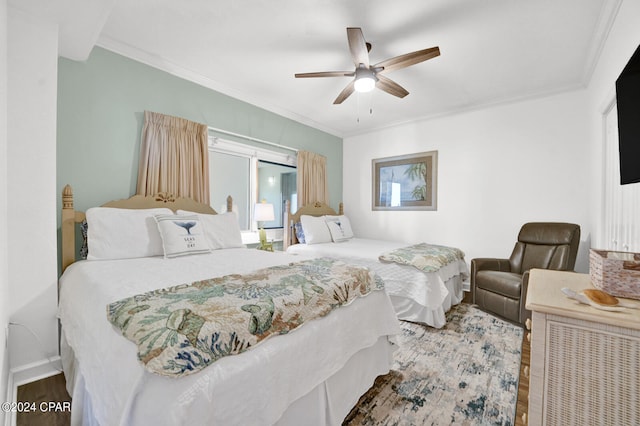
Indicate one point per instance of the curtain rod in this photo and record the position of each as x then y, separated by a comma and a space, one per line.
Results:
226, 132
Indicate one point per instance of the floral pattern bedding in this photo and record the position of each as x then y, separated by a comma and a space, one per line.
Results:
182, 329
426, 257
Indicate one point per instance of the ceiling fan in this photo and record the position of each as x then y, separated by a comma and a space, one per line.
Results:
367, 76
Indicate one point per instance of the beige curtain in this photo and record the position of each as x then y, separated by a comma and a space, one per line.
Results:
174, 157
312, 178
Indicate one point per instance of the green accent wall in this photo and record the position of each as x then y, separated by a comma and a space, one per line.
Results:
100, 112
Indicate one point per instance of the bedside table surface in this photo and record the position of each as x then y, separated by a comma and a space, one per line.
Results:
544, 295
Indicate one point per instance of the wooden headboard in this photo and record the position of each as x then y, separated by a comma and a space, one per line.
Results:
71, 217
313, 209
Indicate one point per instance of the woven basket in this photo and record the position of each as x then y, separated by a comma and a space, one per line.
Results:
616, 273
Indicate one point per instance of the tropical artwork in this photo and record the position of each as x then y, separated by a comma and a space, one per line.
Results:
406, 182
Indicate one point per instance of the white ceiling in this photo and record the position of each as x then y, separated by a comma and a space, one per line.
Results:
492, 51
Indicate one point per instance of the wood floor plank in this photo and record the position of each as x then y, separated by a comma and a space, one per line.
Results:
523, 386
50, 399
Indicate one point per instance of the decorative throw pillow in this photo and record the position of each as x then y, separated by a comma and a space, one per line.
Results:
339, 227
315, 229
182, 235
337, 233
299, 232
123, 233
221, 230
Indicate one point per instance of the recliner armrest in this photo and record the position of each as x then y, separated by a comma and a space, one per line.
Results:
486, 264
490, 264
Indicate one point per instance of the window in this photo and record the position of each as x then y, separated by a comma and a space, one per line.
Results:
251, 174
230, 174
276, 184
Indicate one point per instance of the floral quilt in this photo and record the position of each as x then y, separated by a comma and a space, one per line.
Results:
182, 329
426, 257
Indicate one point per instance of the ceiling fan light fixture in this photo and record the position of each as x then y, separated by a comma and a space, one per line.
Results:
367, 76
364, 84
365, 80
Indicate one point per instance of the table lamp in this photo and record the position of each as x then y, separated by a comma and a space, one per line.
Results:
263, 213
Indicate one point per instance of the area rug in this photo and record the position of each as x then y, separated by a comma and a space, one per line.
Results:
465, 373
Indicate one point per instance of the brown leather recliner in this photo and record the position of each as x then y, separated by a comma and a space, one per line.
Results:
499, 286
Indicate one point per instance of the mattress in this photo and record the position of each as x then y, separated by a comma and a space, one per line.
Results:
259, 386
416, 295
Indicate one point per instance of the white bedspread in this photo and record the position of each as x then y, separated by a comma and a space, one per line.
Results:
436, 292
255, 387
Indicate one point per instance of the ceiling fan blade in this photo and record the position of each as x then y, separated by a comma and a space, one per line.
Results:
407, 59
358, 47
346, 92
390, 86
326, 74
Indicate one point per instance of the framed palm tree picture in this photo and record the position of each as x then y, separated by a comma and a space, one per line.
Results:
405, 182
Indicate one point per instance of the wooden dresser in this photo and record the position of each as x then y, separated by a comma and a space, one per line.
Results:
585, 363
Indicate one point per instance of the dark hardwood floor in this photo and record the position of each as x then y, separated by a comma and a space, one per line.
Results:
523, 387
50, 399
52, 389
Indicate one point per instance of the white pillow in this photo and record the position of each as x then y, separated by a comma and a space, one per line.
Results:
123, 233
315, 229
221, 230
339, 227
182, 235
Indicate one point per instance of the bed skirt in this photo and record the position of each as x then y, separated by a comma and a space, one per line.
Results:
408, 309
326, 404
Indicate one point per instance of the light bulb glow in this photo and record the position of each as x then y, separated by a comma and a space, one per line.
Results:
364, 84
365, 79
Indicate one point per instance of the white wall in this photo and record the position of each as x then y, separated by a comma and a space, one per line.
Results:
4, 281
31, 188
554, 147
622, 41
498, 168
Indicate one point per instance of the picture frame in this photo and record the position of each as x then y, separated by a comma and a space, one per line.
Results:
405, 182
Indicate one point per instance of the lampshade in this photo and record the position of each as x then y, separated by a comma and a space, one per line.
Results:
365, 80
263, 212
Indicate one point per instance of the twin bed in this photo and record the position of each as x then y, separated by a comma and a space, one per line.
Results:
311, 373
422, 296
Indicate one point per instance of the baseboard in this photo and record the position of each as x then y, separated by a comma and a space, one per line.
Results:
36, 371
9, 418
26, 374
